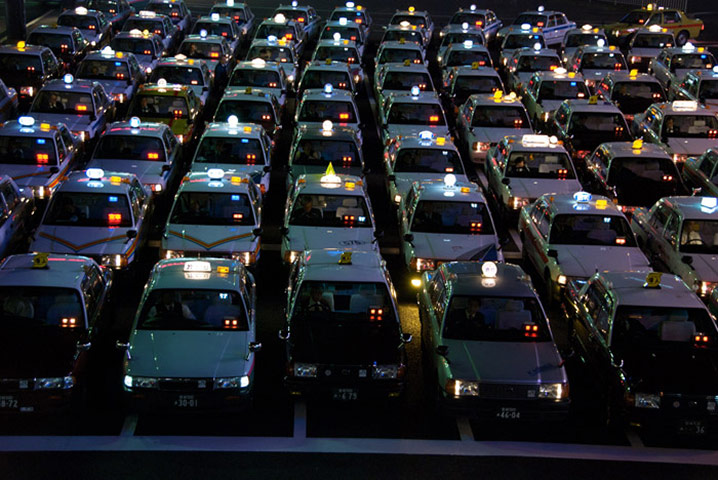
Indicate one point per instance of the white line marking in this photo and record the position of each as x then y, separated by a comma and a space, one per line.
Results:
634, 438
129, 425
465, 432
483, 181
300, 420
515, 237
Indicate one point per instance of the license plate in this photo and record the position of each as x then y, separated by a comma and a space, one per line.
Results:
186, 401
508, 413
8, 402
346, 394
692, 427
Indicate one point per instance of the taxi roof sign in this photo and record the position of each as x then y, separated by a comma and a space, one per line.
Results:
653, 280
637, 144
587, 27
233, 121
197, 266
215, 173
26, 121
489, 270
135, 122
40, 260
81, 11
531, 140
685, 105
582, 197
95, 173
345, 258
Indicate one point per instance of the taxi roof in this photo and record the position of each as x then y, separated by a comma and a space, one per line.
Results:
154, 129
691, 207
40, 129
514, 30
73, 13
516, 143
336, 95
280, 43
596, 49
585, 105
137, 36
647, 30
207, 39
337, 23
413, 141
554, 76
156, 17
684, 108
410, 12
181, 62
330, 42
247, 92
208, 18
202, 182
457, 28
541, 12
542, 52
628, 289
311, 183
625, 76
686, 50
466, 278
581, 30
332, 66
469, 70
77, 85
248, 65
336, 133
241, 130
565, 204
293, 7
224, 4
625, 149
400, 66
27, 49
475, 47
399, 46
366, 266
171, 89
63, 271
170, 274
78, 181
460, 192
99, 55
59, 29
490, 100
407, 97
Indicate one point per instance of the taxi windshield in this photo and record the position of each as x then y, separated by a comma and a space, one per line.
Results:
642, 181
271, 54
178, 75
637, 94
130, 147
24, 150
416, 114
350, 32
591, 129
692, 61
320, 110
215, 28
399, 80
486, 116
454, 217
521, 40
699, 236
41, 307
313, 151
103, 70
463, 56
204, 50
417, 20
495, 319
247, 111
138, 46
159, 106
413, 36
193, 309
428, 160
205, 208
603, 61
531, 18
63, 102
591, 229
82, 22
314, 78
107, 6
237, 14
142, 24
80, 209
249, 77
562, 90
646, 326
653, 40
690, 126
635, 17
58, 42
280, 31
348, 211
17, 65
581, 39
708, 90
235, 151
450, 38
537, 63
554, 165
476, 19
466, 85
338, 54
398, 55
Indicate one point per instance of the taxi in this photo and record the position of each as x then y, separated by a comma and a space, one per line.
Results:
683, 128
463, 81
51, 307
646, 44
251, 105
338, 50
147, 150
698, 85
67, 43
553, 25
632, 174
36, 156
8, 102
680, 235
490, 350
206, 306
346, 29
485, 119
414, 158
484, 19
16, 209
212, 49
236, 149
146, 47
313, 149
149, 21
700, 173
267, 76
519, 169
444, 221
451, 34
181, 70
405, 32
631, 92
93, 25
116, 11
318, 74
465, 53
587, 35
102, 215
525, 61
240, 13
343, 333
525, 37
278, 26
83, 105
566, 238
672, 64
337, 106
676, 21
278, 51
327, 211
392, 78
594, 63
26, 68
646, 341
119, 73
420, 19
410, 113
175, 105
216, 24
354, 13
546, 91
176, 10
399, 52
215, 214
305, 16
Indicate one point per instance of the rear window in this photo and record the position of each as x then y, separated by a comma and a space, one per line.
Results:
130, 147
40, 306
318, 111
79, 209
22, 150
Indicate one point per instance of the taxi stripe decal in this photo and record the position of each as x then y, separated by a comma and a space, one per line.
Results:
77, 248
36, 174
206, 245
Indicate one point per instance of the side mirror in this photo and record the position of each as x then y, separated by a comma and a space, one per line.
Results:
257, 232
267, 169
254, 346
442, 350
131, 233
552, 252
166, 167
83, 347
283, 334
283, 230
687, 259
406, 337
409, 237
122, 346
506, 181
54, 169
378, 234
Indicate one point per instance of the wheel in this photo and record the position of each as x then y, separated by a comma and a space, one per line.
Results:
682, 38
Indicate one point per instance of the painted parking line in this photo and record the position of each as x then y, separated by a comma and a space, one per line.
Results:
300, 419
634, 438
466, 434
517, 240
129, 426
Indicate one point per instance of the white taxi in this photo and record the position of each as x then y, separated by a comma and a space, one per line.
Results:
484, 19
258, 73
580, 37
118, 72
181, 70
672, 64
553, 24
278, 51
594, 63
525, 37
147, 47
465, 53
410, 113
318, 74
420, 19
646, 44
400, 78
399, 52
460, 33
250, 105
338, 50
525, 61
216, 24
320, 105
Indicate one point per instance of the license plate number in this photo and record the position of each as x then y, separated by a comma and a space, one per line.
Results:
693, 427
186, 401
8, 402
346, 394
508, 413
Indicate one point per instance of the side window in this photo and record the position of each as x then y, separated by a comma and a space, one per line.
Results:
170, 140
134, 66
60, 144
10, 195
3, 95
92, 287
561, 19
671, 231
67, 139
539, 216
99, 103
598, 308
671, 17
654, 20
707, 164
49, 61
437, 291
562, 115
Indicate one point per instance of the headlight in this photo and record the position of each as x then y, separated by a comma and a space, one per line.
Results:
290, 78
247, 258
357, 79
231, 382
421, 264
385, 371
308, 370
545, 116
119, 97
291, 255
148, 70
517, 202
27, 91
679, 158
155, 187
647, 400
562, 279
180, 138
553, 391
173, 254
460, 388
635, 59
397, 199
141, 382
706, 288
81, 134
114, 261
480, 146
55, 383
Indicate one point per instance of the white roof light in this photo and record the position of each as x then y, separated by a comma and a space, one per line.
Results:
449, 180
26, 121
68, 78
95, 173
582, 197
214, 17
179, 56
107, 51
343, 20
147, 13
541, 8
525, 26
203, 33
81, 11
689, 46
280, 18
259, 62
465, 25
331, 180
272, 38
472, 7
537, 46
489, 269
468, 43
685, 105
328, 88
553, 140
415, 91
560, 71
337, 36
215, 173
233, 121
135, 122
426, 135
655, 28
404, 24
709, 202
135, 31
327, 125
715, 69
601, 42
587, 27
295, 3
197, 266
349, 4
230, 3
535, 141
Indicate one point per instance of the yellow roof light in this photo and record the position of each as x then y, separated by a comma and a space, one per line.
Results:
21, 44
571, 74
222, 269
465, 189
653, 280
412, 9
45, 126
236, 180
649, 7
40, 260
601, 204
115, 179
637, 144
407, 62
346, 258
349, 185
633, 73
474, 65
247, 129
498, 94
440, 141
119, 55
593, 100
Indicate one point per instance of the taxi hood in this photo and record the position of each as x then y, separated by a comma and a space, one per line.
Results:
307, 238
114, 87
75, 123
29, 175
550, 105
644, 52
533, 188
92, 241
706, 266
404, 180
506, 362
29, 352
394, 130
456, 247
582, 261
216, 238
493, 135
690, 146
173, 353
145, 170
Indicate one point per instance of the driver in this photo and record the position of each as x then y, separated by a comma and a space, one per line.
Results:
169, 307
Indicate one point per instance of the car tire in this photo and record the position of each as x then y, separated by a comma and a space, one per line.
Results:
682, 38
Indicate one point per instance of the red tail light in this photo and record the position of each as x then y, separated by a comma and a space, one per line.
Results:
114, 218
434, 118
42, 157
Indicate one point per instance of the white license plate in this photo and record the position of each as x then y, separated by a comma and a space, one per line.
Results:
186, 401
8, 402
508, 413
347, 394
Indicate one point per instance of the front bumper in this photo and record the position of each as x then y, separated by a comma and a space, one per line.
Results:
149, 400
505, 410
679, 414
31, 401
344, 389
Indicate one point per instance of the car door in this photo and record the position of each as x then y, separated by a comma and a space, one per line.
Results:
9, 216
591, 332
536, 237
431, 315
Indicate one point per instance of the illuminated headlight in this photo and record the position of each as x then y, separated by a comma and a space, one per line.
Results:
517, 202
55, 383
397, 199
141, 382
247, 258
505, 61
93, 43
679, 158
27, 91
114, 261
119, 97
421, 264
647, 400
460, 388
385, 371
706, 288
562, 279
173, 254
616, 33
290, 78
480, 146
81, 134
155, 187
231, 382
148, 70
307, 370
553, 391
180, 138
635, 59
291, 255
545, 116
438, 58
357, 78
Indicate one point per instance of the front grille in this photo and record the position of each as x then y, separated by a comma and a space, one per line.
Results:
14, 384
184, 384
344, 371
507, 391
